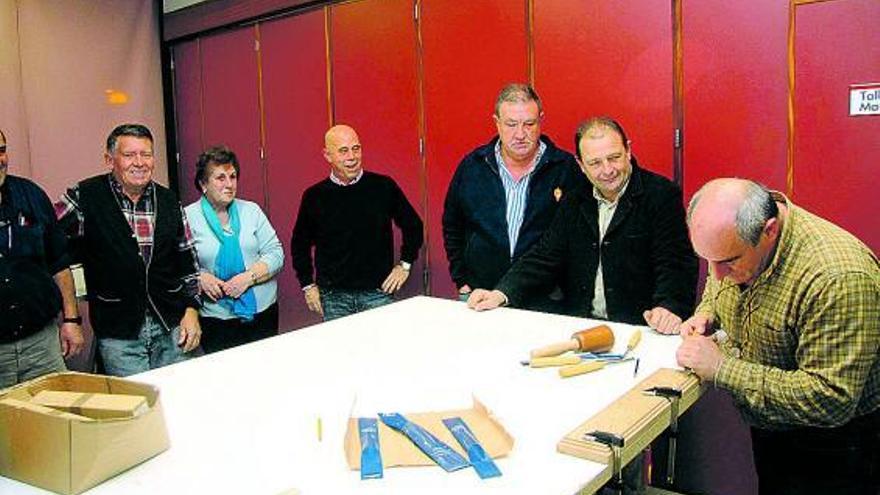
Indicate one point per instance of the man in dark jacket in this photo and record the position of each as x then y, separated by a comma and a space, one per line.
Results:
35, 283
138, 257
620, 252
504, 195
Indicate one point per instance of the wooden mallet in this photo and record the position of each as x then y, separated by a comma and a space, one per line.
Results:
596, 339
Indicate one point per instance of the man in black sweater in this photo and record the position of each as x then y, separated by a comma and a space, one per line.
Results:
347, 219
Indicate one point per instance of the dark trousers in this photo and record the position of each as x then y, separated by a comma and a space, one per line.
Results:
840, 461
218, 334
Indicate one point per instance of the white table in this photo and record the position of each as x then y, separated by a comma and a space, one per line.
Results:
245, 421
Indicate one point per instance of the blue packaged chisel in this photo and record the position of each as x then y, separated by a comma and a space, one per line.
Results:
371, 457
442, 454
483, 464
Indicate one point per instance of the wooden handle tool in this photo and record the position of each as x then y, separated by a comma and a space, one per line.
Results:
596, 339
634, 340
546, 362
587, 367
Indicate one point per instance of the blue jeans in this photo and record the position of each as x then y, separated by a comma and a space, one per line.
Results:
31, 357
338, 303
155, 347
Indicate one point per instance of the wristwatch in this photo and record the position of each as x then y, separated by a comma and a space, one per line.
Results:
76, 319
406, 266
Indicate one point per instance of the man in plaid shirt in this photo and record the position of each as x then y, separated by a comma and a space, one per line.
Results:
138, 256
799, 301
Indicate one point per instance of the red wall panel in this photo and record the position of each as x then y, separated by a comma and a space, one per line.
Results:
294, 75
736, 91
231, 105
615, 59
836, 156
188, 108
470, 49
375, 87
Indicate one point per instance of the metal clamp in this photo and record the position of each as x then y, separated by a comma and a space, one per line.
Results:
615, 443
673, 396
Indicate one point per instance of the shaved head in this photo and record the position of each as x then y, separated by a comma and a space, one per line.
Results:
337, 133
342, 150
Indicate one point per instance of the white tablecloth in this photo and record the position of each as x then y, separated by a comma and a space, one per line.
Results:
244, 421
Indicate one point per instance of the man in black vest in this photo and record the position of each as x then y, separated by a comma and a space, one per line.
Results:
35, 283
138, 256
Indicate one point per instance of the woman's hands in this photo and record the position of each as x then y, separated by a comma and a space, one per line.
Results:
216, 289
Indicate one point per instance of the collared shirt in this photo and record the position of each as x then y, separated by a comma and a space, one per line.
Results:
516, 193
141, 217
354, 181
804, 338
32, 251
606, 213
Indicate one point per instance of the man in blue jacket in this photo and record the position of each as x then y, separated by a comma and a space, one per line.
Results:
504, 195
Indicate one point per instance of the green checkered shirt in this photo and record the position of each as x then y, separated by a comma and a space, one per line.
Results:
805, 336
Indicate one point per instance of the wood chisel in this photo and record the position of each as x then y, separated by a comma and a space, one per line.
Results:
588, 367
566, 359
634, 340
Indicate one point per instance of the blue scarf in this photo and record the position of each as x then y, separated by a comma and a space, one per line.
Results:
229, 261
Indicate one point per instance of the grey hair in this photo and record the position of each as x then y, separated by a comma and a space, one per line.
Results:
517, 93
130, 130
756, 208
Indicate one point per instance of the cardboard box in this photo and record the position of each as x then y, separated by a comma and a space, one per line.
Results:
20, 404
93, 405
397, 450
59, 451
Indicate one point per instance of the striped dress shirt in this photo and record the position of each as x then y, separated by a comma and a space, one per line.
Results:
516, 193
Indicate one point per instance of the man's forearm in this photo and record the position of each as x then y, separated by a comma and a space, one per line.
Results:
65, 283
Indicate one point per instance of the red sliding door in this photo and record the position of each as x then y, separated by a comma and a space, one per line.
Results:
230, 105
294, 77
470, 49
609, 58
735, 91
375, 88
836, 155
188, 114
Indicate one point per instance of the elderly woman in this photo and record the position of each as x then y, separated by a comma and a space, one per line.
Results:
239, 254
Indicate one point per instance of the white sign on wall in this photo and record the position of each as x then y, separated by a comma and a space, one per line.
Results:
864, 99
